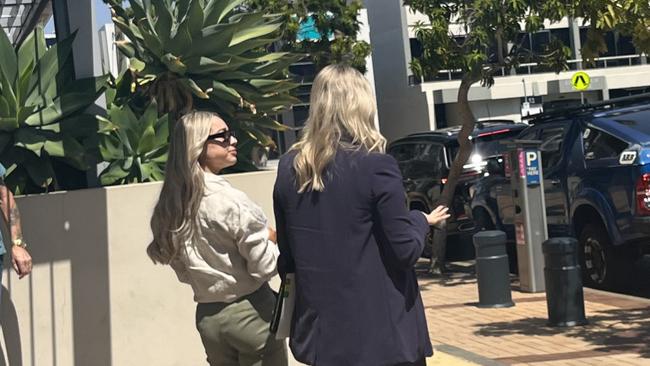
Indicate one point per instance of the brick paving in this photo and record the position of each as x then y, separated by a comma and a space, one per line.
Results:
618, 332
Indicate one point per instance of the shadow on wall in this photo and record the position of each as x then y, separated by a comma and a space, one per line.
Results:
60, 314
10, 332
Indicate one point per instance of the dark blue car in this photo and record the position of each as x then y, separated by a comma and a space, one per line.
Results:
596, 166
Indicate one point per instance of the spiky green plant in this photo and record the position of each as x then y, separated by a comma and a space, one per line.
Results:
134, 146
41, 112
207, 54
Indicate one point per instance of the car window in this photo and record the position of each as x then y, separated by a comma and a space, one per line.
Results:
551, 147
601, 145
528, 134
488, 146
420, 159
435, 158
402, 152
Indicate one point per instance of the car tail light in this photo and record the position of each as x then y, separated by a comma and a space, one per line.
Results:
497, 132
643, 195
507, 166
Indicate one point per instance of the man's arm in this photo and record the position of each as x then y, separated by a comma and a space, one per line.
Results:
20, 258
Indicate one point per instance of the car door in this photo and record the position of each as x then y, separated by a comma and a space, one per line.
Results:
606, 174
422, 166
555, 138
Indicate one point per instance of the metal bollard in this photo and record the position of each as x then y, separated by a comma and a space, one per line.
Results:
492, 270
563, 277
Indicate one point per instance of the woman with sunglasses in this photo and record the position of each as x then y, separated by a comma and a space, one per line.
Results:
218, 241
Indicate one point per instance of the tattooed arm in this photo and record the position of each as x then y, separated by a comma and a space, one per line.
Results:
20, 258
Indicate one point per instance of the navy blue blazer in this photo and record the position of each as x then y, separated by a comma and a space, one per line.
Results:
354, 246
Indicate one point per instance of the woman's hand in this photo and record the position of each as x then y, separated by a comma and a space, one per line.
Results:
273, 236
437, 216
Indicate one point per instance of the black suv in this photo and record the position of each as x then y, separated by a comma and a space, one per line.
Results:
424, 159
596, 167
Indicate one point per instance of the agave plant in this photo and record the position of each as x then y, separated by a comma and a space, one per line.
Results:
207, 54
135, 147
41, 112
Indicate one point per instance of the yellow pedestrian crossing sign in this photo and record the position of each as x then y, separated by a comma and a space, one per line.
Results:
580, 81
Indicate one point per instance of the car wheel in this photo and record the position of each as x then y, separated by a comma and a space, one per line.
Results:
597, 257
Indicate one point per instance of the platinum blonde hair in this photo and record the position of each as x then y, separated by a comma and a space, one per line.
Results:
175, 218
342, 112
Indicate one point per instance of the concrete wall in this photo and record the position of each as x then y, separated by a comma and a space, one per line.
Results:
538, 84
94, 297
506, 109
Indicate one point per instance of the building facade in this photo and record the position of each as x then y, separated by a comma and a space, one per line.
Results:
406, 106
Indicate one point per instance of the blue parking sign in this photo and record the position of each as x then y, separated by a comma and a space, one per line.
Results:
532, 167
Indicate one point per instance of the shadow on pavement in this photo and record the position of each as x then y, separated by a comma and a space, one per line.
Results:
620, 330
457, 274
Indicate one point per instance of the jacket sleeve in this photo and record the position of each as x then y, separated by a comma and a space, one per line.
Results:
181, 271
402, 231
252, 237
285, 261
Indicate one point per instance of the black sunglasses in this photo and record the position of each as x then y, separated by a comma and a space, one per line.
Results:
225, 135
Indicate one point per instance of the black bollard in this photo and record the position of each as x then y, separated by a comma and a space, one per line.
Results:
563, 277
492, 270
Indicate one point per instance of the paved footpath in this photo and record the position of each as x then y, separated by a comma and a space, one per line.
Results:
618, 332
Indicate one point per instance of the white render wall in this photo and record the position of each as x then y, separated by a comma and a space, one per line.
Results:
94, 297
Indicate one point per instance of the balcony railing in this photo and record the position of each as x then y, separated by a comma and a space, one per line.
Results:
535, 68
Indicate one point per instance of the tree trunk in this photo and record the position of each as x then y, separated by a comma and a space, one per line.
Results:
466, 118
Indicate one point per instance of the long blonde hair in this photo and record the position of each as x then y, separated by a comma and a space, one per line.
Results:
175, 218
342, 110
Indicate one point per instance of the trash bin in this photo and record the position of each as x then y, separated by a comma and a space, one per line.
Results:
563, 277
492, 270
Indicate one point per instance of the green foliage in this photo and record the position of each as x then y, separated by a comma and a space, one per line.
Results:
333, 18
492, 28
490, 39
135, 146
205, 54
41, 112
628, 17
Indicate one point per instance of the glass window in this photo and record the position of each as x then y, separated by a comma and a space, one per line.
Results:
601, 145
540, 40
402, 152
416, 47
562, 34
420, 160
551, 146
528, 135
624, 45
489, 146
435, 157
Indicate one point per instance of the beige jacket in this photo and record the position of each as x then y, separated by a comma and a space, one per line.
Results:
234, 257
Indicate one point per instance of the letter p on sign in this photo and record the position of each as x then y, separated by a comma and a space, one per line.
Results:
531, 156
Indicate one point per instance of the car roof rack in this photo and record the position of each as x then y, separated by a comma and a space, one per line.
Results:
587, 108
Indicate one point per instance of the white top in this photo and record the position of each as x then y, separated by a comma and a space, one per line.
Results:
234, 257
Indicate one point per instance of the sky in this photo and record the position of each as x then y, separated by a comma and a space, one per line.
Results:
103, 16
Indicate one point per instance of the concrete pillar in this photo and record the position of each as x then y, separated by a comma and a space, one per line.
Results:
79, 16
431, 102
576, 45
289, 136
402, 108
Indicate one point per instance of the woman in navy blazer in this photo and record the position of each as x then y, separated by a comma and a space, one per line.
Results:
344, 230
